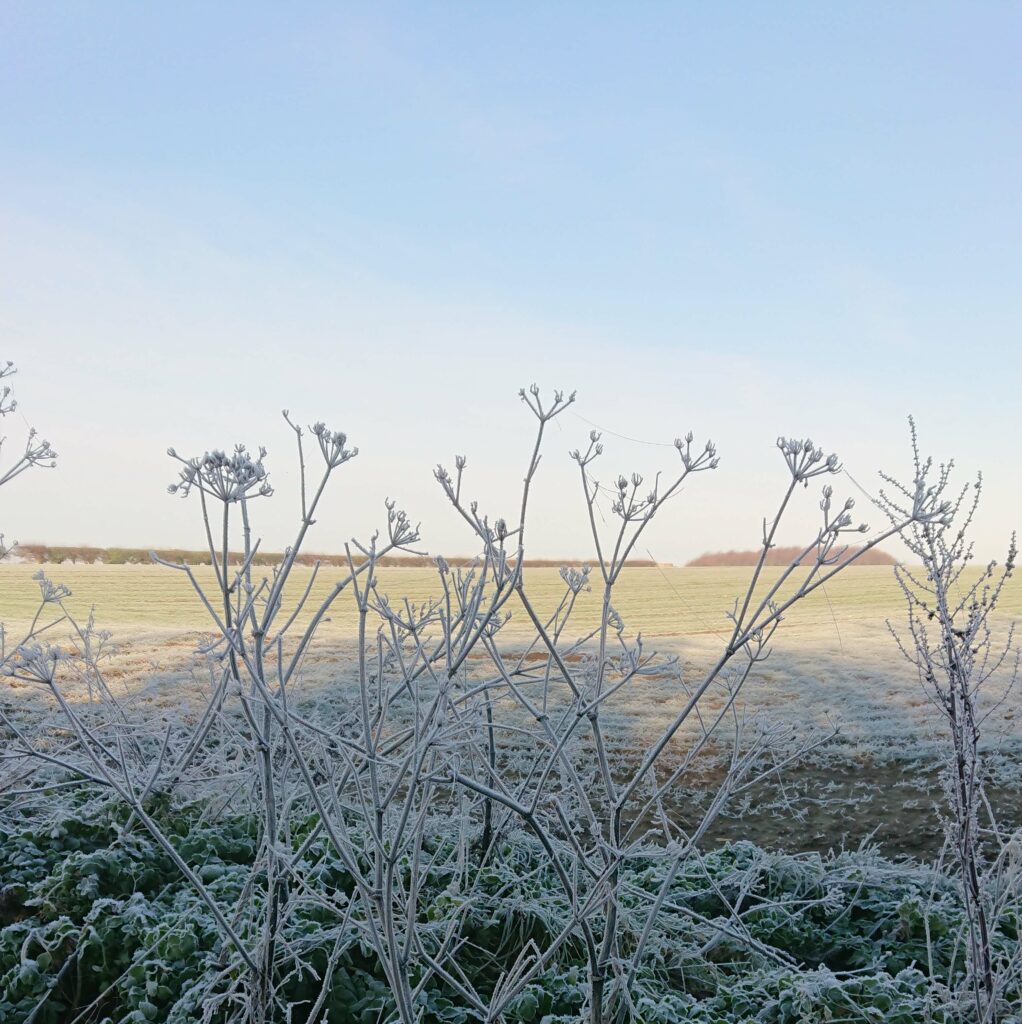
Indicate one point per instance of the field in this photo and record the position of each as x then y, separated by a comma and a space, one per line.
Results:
669, 602
813, 898
834, 664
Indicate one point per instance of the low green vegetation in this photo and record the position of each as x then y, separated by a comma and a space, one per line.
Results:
98, 925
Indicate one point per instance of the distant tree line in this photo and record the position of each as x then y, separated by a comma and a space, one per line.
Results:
141, 556
59, 553
785, 556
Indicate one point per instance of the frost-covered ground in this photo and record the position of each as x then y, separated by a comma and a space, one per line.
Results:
851, 930
834, 665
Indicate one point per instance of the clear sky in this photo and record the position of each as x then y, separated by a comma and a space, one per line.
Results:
743, 219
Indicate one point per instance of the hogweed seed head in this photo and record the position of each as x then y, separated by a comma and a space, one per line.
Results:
805, 460
333, 445
50, 592
227, 478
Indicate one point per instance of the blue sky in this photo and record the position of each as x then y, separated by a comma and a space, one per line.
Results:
744, 219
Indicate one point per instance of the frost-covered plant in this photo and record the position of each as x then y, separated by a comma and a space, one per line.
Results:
951, 643
36, 451
471, 727
591, 822
96, 922
35, 454
262, 650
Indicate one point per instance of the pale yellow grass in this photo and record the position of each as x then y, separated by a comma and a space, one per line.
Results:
129, 599
834, 659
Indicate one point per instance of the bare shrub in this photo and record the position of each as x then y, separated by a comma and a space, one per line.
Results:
950, 642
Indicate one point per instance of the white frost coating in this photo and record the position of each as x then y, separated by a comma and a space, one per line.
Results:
953, 650
449, 733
